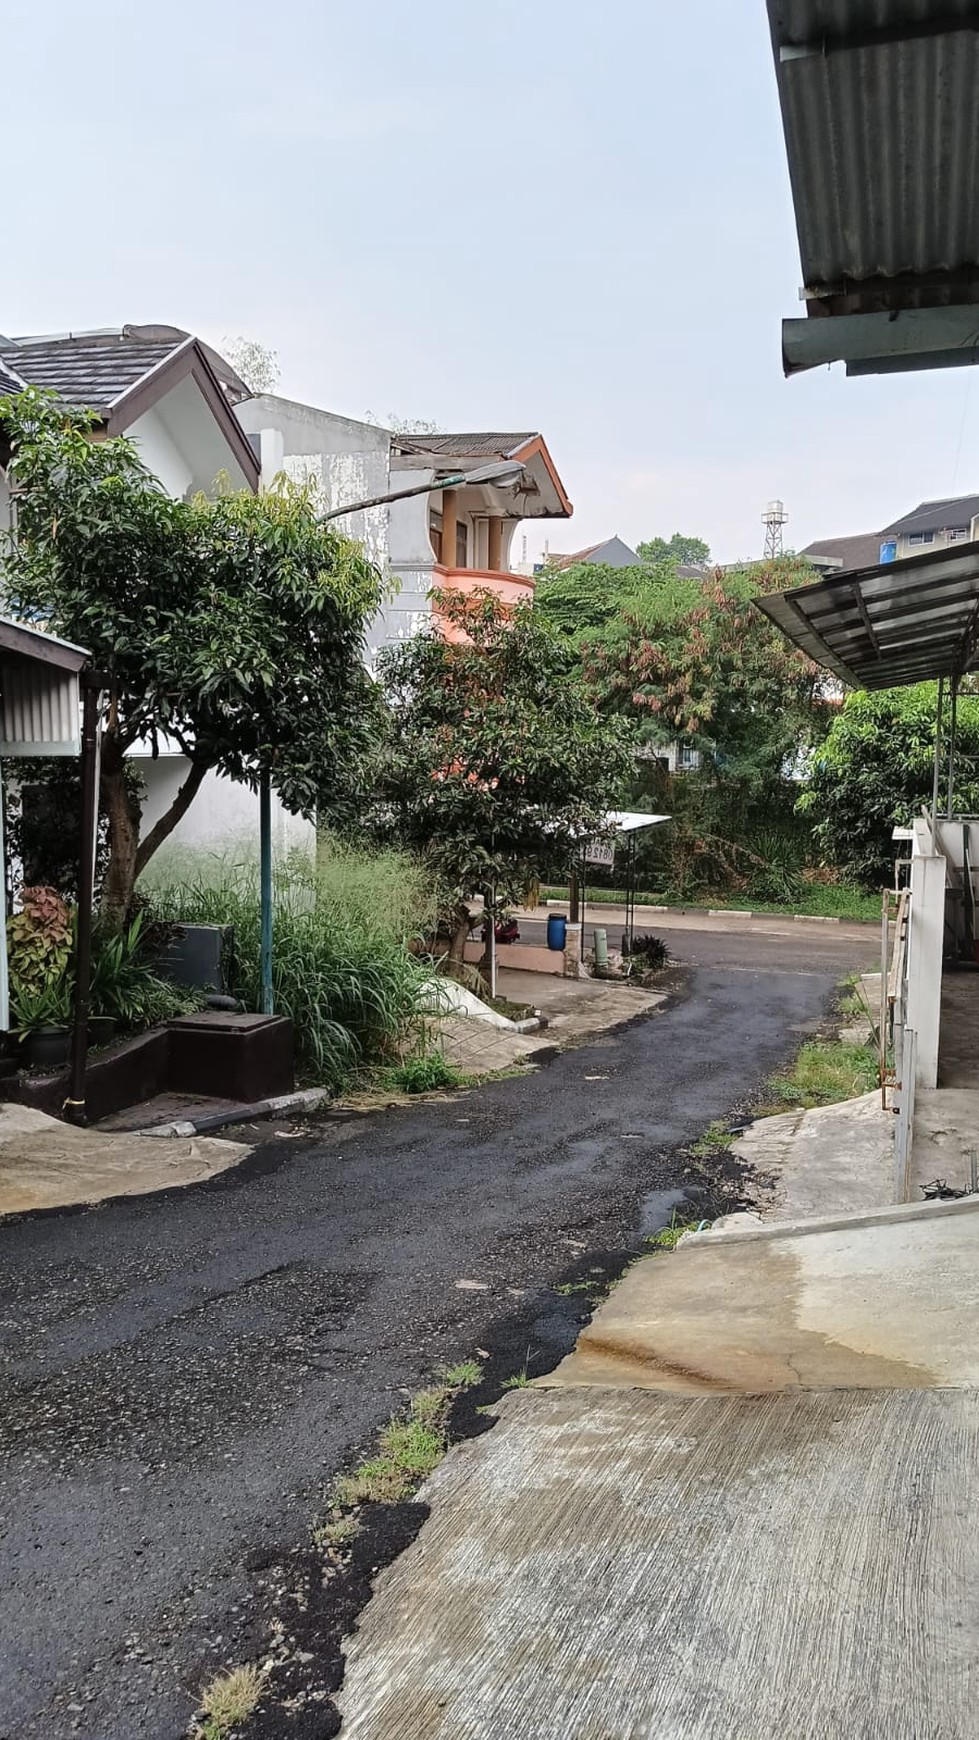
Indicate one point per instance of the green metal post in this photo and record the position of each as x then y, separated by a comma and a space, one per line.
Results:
265, 877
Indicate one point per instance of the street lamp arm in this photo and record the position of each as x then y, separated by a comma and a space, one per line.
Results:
503, 472
356, 507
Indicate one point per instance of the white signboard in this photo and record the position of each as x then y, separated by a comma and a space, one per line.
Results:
600, 852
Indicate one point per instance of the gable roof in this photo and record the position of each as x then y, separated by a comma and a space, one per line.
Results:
613, 553
860, 550
122, 372
936, 516
90, 370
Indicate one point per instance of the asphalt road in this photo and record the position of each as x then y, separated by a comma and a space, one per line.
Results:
182, 1374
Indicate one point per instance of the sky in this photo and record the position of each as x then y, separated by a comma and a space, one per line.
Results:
534, 214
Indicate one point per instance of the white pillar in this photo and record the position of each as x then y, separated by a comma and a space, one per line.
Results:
925, 947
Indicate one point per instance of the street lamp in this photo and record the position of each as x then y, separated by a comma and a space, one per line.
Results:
503, 472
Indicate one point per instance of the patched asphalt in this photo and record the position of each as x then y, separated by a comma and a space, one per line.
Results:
181, 1375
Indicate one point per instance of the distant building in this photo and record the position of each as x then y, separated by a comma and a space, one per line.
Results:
613, 553
830, 555
453, 539
932, 525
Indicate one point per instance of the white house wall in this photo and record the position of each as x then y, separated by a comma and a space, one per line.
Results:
350, 461
223, 814
160, 453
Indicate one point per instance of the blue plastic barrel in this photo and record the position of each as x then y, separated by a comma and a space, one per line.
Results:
557, 931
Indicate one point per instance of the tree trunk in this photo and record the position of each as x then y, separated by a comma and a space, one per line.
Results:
128, 855
122, 810
455, 960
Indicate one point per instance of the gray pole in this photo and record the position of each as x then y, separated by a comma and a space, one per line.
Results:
265, 886
951, 746
938, 756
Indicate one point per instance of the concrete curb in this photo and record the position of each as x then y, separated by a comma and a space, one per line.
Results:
305, 1100
721, 912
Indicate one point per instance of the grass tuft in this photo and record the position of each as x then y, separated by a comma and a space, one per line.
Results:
715, 1137
410, 1447
228, 1701
669, 1237
425, 1073
824, 1073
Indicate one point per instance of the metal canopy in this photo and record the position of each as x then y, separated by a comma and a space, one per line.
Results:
878, 628
882, 138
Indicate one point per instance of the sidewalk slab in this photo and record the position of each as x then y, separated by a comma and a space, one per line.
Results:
884, 1301
629, 1566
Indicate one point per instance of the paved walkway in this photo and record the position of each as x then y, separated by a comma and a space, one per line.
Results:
576, 1010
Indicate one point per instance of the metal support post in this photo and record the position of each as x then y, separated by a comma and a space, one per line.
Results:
951, 746
74, 1106
491, 939
265, 886
938, 760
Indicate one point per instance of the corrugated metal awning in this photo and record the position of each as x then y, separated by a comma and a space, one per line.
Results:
879, 628
881, 125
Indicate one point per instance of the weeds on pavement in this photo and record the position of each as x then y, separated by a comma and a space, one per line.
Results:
825, 1072
228, 1701
410, 1447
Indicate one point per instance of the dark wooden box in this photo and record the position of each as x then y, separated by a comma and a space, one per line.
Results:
232, 1057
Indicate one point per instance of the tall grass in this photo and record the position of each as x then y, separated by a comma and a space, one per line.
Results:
341, 968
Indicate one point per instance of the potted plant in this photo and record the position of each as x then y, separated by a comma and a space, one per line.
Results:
41, 1020
39, 942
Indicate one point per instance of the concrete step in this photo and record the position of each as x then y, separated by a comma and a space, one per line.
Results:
887, 1299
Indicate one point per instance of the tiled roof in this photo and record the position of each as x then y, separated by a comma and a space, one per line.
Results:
470, 446
861, 550
9, 382
937, 516
91, 370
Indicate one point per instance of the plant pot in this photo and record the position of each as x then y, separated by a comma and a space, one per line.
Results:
101, 1029
47, 1047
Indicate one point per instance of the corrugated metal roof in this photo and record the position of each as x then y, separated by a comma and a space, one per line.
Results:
882, 133
882, 627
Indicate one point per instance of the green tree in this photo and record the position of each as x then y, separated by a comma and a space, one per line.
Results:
232, 627
695, 661
685, 552
874, 772
496, 762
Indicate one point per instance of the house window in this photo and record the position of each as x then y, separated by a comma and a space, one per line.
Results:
958, 534
462, 544
915, 538
435, 534
687, 757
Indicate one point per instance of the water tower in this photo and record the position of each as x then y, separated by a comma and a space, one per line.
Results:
773, 520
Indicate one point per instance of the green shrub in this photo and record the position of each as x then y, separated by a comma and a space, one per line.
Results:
341, 968
424, 1074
